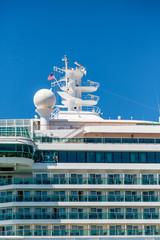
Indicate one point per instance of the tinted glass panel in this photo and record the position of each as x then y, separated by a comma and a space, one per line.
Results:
90, 157
108, 157
125, 157
117, 157
151, 157
11, 147
62, 157
71, 157
134, 157
2, 147
142, 157
31, 149
81, 157
157, 157
95, 157
19, 147
99, 157
25, 148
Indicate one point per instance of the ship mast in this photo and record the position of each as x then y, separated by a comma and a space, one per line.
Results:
66, 62
76, 95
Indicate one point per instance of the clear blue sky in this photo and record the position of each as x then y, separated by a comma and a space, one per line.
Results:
117, 40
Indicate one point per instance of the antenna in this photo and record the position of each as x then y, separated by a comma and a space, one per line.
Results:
66, 61
157, 100
76, 63
83, 69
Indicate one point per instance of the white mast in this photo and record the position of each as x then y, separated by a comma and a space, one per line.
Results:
74, 92
66, 61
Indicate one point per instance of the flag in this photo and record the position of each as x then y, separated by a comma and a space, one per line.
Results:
51, 76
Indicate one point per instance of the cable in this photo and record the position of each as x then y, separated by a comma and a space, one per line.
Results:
130, 100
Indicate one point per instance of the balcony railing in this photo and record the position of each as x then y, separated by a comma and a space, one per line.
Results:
76, 198
42, 138
14, 133
88, 215
80, 181
80, 232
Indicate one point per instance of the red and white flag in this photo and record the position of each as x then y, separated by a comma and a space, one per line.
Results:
51, 76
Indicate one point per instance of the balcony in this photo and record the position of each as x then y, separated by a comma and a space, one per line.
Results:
76, 180
20, 154
76, 198
81, 232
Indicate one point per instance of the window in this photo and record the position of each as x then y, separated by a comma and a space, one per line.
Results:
72, 157
90, 157
115, 230
125, 157
99, 157
62, 157
142, 157
11, 147
59, 230
25, 148
95, 156
150, 157
114, 179
80, 157
3, 147
108, 157
117, 157
157, 157
19, 147
134, 157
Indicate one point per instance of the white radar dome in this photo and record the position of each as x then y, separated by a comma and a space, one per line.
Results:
44, 98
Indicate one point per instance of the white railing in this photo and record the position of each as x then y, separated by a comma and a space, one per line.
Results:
15, 122
91, 84
55, 113
90, 97
93, 109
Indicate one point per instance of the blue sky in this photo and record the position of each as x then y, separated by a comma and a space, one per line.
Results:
117, 40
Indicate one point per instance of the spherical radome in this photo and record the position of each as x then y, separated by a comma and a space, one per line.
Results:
44, 98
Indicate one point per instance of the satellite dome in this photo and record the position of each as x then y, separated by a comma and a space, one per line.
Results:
44, 98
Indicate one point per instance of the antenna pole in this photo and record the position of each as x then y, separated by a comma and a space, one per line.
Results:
66, 61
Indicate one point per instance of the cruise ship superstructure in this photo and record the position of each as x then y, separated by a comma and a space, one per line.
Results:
70, 174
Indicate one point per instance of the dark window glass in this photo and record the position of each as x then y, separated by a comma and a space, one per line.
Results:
11, 147
146, 140
90, 157
19, 147
98, 140
157, 157
2, 147
31, 149
89, 140
80, 157
142, 157
129, 140
112, 140
72, 157
125, 157
117, 157
62, 157
116, 140
108, 157
150, 157
134, 157
25, 148
45, 139
99, 157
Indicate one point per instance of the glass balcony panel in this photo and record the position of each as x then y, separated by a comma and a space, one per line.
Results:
79, 232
